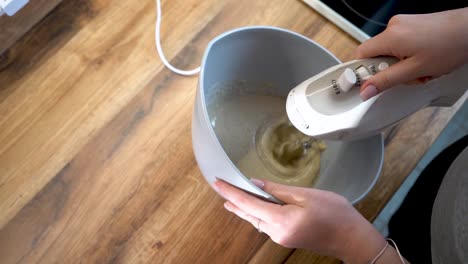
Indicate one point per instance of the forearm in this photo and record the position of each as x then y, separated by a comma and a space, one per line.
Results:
459, 20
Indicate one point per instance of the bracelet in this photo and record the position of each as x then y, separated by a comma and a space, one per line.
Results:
383, 250
397, 250
380, 253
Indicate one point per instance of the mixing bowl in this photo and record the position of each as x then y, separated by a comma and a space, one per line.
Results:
266, 62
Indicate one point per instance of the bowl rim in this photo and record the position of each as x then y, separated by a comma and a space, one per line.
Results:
211, 130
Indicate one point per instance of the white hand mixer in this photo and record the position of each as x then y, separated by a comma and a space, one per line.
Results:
325, 106
328, 105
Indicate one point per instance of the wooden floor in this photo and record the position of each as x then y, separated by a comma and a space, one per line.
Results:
96, 161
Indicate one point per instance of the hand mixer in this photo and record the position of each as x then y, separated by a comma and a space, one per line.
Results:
328, 105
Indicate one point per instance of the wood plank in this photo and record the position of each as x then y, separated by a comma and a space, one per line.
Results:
96, 162
77, 190
271, 253
51, 113
14, 27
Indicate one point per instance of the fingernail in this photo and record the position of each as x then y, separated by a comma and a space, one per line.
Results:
259, 183
228, 207
369, 92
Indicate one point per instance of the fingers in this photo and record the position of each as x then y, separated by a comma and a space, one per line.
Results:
251, 205
288, 194
376, 46
256, 222
234, 209
389, 42
399, 73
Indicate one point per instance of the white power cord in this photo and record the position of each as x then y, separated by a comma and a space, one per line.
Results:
159, 49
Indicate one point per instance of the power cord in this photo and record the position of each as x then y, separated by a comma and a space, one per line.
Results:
159, 49
10, 7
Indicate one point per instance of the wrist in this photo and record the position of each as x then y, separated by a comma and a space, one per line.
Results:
362, 242
458, 27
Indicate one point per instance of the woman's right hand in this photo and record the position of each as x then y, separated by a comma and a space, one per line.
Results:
428, 46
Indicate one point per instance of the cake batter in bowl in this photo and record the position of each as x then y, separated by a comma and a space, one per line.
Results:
240, 129
262, 142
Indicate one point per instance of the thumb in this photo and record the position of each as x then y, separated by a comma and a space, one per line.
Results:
288, 194
401, 72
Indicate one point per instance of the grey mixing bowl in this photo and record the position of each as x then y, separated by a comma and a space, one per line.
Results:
282, 59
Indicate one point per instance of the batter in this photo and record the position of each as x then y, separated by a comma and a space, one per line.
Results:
257, 136
291, 156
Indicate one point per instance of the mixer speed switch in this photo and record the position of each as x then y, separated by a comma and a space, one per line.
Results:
347, 80
363, 73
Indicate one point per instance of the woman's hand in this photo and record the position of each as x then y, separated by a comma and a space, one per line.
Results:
320, 221
428, 46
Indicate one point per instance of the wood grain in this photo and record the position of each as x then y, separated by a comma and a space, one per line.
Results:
96, 163
14, 27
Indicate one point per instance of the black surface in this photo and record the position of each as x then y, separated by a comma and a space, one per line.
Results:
381, 11
410, 226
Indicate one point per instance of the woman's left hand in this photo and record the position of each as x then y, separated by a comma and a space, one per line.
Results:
320, 221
